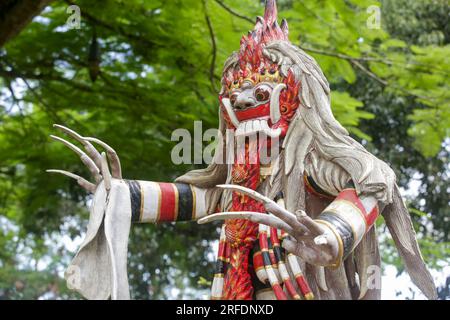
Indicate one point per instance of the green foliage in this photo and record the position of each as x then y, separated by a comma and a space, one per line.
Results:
159, 72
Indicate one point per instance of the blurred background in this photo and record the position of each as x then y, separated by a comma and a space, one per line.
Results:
130, 72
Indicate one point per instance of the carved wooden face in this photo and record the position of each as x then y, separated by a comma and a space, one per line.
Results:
256, 96
260, 102
251, 101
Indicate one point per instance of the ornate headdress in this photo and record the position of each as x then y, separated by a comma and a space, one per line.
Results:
253, 65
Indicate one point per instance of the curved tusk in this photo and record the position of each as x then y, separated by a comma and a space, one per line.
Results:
275, 114
227, 104
273, 133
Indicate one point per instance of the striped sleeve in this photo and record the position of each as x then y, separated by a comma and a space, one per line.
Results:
153, 202
349, 217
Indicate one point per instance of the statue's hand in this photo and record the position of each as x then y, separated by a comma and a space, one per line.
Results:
96, 163
309, 240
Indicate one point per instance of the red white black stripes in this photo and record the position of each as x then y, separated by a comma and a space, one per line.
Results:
349, 217
165, 202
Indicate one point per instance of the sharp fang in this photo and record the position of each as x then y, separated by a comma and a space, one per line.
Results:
227, 104
275, 114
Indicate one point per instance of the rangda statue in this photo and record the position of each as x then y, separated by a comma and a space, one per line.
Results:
300, 226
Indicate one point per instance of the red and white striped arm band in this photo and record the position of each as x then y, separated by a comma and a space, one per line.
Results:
300, 279
153, 202
349, 217
284, 274
292, 261
269, 266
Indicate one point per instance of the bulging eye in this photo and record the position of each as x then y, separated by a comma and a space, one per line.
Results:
262, 93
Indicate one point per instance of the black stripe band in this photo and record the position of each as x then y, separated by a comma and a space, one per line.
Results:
266, 258
272, 249
278, 254
185, 202
278, 196
343, 228
221, 266
350, 185
135, 196
318, 189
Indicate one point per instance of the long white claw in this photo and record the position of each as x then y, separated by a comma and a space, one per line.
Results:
226, 216
256, 217
90, 149
270, 205
249, 192
81, 181
68, 144
112, 154
105, 172
95, 171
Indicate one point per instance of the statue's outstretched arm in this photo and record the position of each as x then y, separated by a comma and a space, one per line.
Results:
99, 269
151, 202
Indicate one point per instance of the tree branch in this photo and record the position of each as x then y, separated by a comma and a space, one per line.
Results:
16, 15
213, 49
234, 13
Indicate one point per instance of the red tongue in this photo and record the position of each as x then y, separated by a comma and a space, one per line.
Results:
241, 233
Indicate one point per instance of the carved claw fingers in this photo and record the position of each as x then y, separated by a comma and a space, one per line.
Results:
314, 228
90, 150
105, 172
88, 186
90, 164
93, 153
309, 240
271, 206
112, 155
256, 217
249, 192
96, 163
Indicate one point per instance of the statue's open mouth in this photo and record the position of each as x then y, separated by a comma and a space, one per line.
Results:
251, 127
256, 119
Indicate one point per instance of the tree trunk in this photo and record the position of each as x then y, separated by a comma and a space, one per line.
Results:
16, 14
